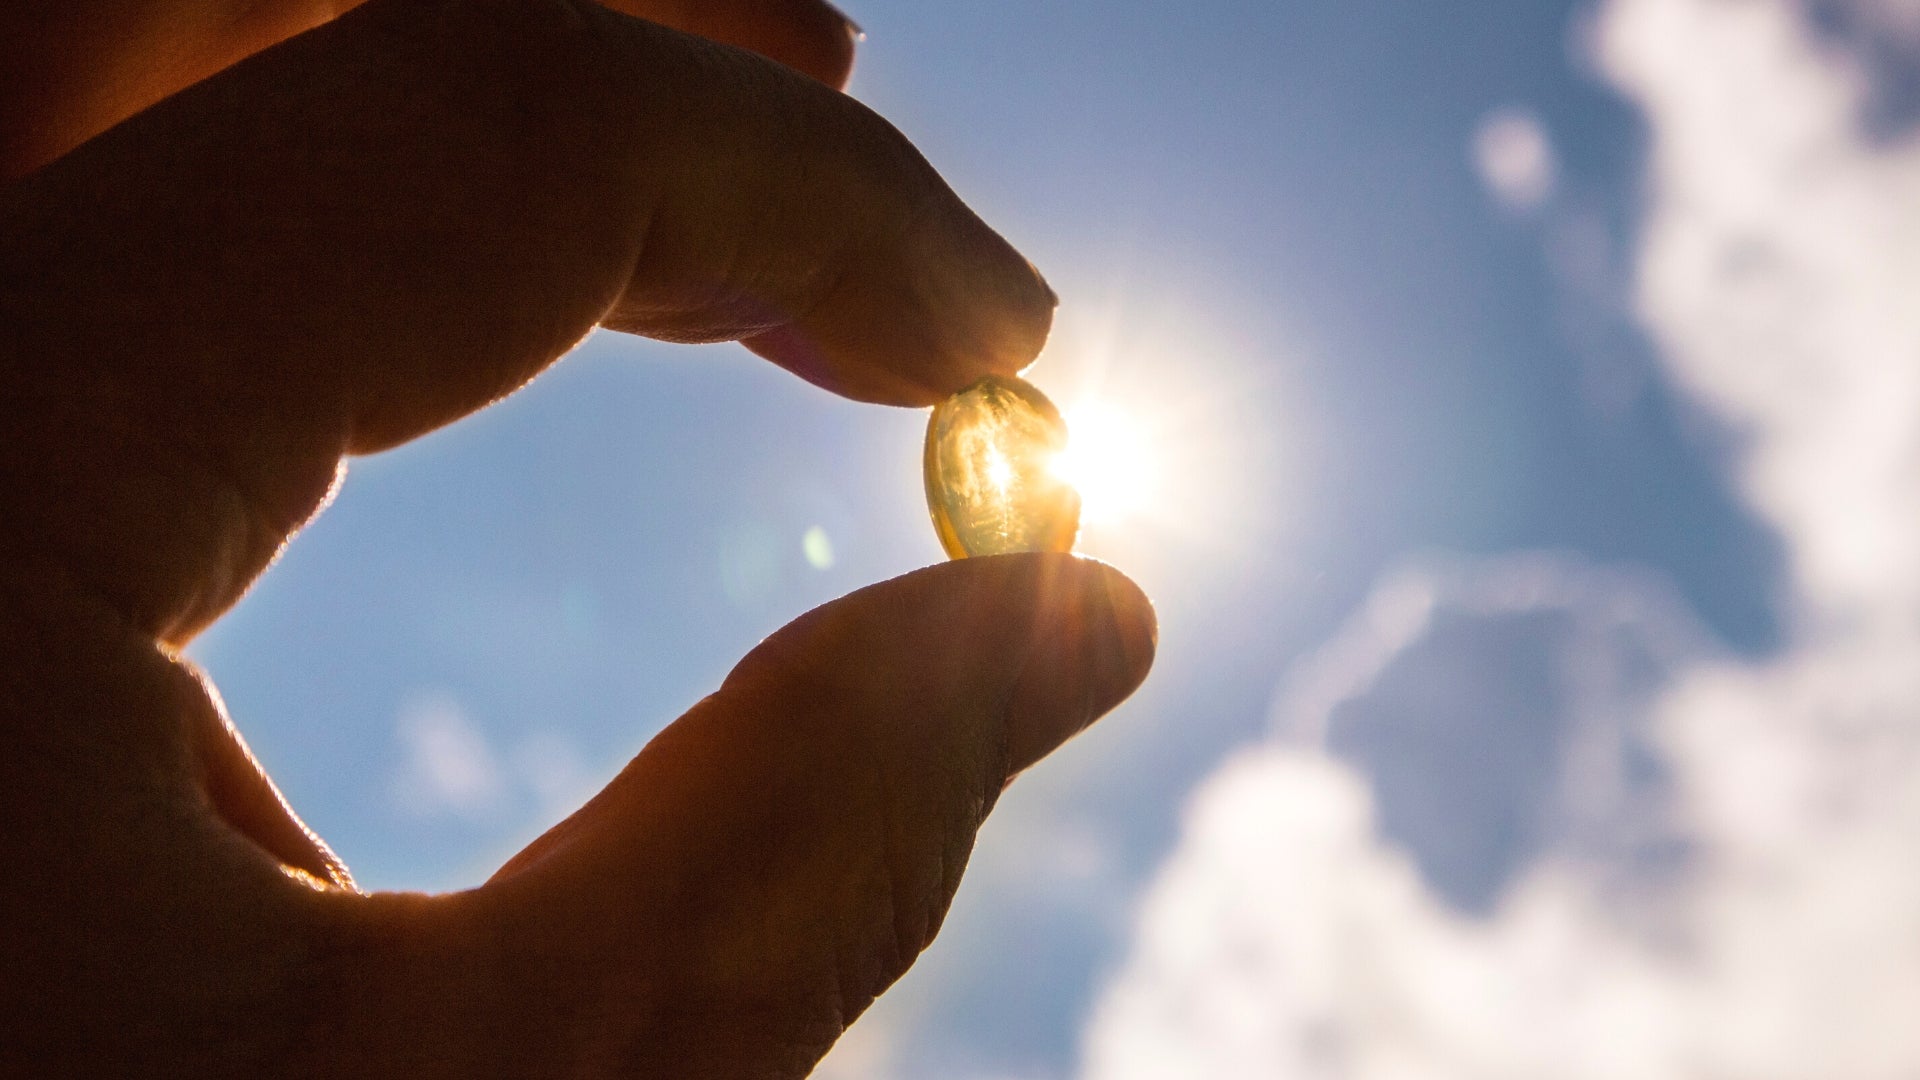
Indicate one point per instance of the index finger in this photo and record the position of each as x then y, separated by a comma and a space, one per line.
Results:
379, 226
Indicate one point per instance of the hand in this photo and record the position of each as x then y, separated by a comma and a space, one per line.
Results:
340, 242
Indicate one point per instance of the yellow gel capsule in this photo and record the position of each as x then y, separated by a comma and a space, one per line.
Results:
991, 483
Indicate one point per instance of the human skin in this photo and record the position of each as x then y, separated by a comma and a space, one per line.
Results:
242, 242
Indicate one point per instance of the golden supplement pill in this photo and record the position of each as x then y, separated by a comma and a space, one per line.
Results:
991, 483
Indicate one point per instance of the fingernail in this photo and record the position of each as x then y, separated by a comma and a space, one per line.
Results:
1053, 298
1131, 636
854, 29
1088, 657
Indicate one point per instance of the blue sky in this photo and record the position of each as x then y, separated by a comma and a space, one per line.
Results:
1381, 361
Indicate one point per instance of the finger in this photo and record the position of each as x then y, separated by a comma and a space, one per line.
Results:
379, 226
70, 71
778, 856
240, 793
152, 927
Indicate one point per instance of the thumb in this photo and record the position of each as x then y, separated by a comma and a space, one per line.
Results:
778, 856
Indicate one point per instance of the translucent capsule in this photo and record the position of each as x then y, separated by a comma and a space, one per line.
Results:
992, 486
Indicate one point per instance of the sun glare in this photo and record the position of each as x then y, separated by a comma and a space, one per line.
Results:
999, 470
1163, 444
1111, 461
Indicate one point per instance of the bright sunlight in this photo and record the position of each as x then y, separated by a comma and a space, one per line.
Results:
1109, 459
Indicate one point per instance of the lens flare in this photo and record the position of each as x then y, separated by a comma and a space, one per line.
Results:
1111, 460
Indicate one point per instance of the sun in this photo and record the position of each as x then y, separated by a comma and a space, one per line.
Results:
1111, 461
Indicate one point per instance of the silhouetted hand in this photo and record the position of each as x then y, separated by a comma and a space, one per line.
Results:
331, 245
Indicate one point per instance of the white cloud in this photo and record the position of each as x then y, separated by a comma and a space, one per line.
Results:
448, 767
1780, 269
1515, 159
447, 764
1310, 926
1725, 880
1300, 931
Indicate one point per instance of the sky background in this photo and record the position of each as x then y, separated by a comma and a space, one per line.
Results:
1530, 395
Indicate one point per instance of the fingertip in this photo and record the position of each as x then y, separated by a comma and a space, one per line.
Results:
817, 40
1135, 632
1091, 653
1005, 305
829, 244
921, 319
839, 43
1046, 290
810, 36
